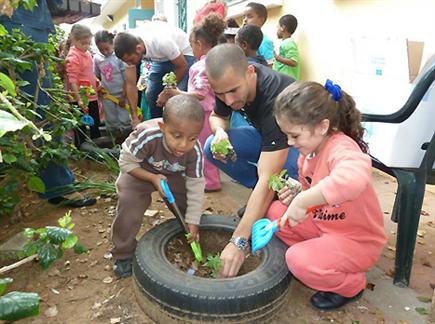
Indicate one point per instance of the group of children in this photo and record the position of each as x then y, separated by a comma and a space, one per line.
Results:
94, 80
329, 254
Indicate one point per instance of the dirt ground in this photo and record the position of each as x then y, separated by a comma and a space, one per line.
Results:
83, 289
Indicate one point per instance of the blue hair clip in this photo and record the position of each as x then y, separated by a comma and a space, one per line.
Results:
333, 89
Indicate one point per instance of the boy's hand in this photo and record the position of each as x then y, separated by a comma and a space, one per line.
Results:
194, 233
275, 55
155, 180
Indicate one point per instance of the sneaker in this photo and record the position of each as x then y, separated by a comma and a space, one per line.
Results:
241, 211
123, 268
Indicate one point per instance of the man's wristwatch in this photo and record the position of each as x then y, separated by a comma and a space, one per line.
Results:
241, 243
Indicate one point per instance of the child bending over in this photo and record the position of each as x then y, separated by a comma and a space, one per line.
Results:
331, 248
158, 149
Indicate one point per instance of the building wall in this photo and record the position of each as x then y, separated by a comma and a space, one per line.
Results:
326, 27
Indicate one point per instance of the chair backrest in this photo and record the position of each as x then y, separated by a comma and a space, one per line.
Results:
398, 139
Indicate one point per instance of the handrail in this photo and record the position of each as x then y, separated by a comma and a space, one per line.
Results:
420, 89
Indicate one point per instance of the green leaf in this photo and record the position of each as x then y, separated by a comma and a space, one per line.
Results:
7, 84
48, 254
70, 241
10, 123
28, 232
65, 220
35, 184
9, 158
221, 147
422, 310
3, 283
17, 305
3, 30
57, 235
79, 249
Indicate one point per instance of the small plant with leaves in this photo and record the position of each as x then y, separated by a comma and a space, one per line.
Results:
170, 80
224, 148
214, 263
16, 304
84, 92
279, 181
50, 242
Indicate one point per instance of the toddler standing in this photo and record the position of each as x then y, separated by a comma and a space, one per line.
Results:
287, 60
80, 72
111, 71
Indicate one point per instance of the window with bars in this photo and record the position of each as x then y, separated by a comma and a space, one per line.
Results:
182, 14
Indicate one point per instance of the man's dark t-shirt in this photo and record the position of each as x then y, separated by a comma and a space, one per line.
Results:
259, 113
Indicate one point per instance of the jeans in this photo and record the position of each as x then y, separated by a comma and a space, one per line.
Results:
155, 85
246, 141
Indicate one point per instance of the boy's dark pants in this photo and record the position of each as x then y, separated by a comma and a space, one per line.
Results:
134, 197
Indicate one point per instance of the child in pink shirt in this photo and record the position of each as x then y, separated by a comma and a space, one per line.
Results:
331, 248
202, 38
80, 72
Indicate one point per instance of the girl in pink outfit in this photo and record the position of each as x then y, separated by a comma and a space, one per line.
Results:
80, 72
202, 38
331, 248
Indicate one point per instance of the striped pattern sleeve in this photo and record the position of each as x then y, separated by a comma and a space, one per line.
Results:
195, 162
141, 140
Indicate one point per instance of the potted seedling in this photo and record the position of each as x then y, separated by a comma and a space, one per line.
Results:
214, 263
224, 148
170, 80
278, 181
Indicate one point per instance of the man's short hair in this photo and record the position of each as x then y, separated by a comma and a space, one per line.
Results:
252, 35
183, 107
125, 43
223, 56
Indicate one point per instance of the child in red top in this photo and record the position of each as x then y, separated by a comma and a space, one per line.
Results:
332, 247
80, 72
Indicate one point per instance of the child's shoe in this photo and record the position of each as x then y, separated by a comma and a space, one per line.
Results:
123, 268
326, 300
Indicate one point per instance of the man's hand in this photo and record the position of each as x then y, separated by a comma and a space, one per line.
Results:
232, 259
220, 135
165, 95
194, 233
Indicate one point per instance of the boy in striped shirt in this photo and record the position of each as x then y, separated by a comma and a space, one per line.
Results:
161, 148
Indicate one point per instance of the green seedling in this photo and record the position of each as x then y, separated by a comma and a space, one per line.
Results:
224, 148
214, 263
84, 92
279, 181
170, 80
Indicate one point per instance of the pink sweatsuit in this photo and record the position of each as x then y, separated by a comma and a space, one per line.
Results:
338, 242
198, 83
